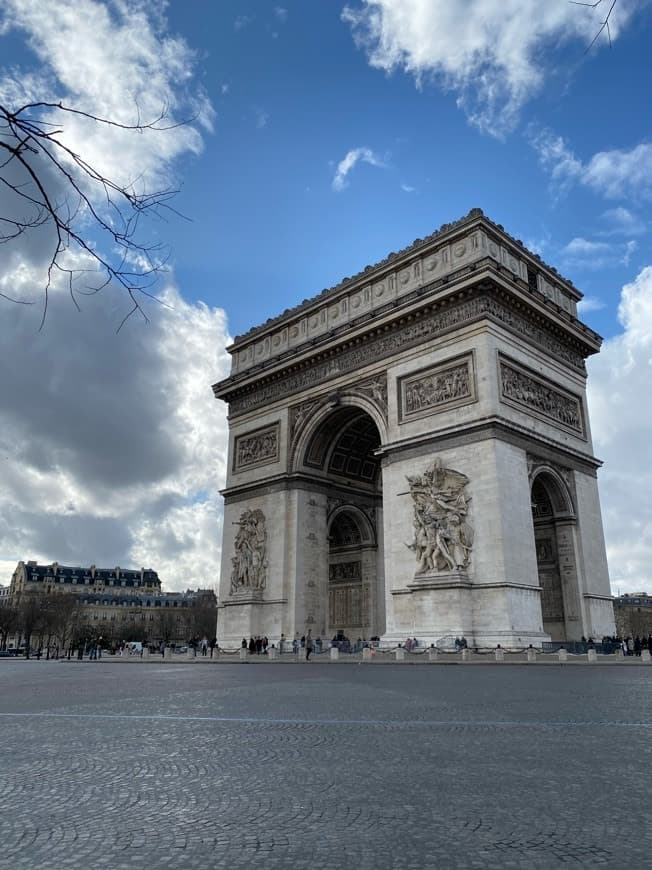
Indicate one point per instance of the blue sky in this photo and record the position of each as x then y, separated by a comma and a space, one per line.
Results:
323, 137
301, 95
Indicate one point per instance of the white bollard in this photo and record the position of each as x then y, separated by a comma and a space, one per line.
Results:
399, 654
433, 654
645, 656
190, 654
500, 655
168, 652
466, 655
366, 654
244, 652
145, 652
272, 652
334, 653
592, 657
619, 653
531, 654
563, 656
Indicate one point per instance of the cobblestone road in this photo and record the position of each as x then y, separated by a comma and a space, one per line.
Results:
176, 766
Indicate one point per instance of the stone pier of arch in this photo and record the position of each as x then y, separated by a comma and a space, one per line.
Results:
410, 455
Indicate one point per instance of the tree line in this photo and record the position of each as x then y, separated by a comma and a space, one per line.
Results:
53, 624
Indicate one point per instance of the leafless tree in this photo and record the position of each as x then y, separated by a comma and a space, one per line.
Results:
31, 615
9, 622
167, 628
605, 23
50, 185
201, 616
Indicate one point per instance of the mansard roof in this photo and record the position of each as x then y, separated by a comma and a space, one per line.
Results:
68, 573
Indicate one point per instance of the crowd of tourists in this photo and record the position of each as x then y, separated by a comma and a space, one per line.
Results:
634, 646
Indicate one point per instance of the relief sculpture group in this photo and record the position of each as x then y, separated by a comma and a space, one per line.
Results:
249, 570
442, 537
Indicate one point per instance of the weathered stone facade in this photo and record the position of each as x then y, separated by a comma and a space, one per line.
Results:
417, 442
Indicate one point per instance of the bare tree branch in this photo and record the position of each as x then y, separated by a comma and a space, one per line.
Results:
96, 215
603, 26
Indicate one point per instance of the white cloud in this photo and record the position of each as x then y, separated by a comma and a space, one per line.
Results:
621, 222
116, 61
621, 414
241, 22
616, 174
590, 303
493, 53
582, 253
112, 446
407, 188
348, 162
281, 13
262, 117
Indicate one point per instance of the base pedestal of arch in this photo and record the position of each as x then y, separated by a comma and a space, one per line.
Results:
439, 580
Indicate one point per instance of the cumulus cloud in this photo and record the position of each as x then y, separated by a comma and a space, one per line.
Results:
621, 414
112, 446
348, 163
616, 174
493, 54
116, 61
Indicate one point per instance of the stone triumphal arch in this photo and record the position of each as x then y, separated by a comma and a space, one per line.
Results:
410, 454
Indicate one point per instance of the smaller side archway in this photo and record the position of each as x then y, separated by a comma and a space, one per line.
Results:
554, 521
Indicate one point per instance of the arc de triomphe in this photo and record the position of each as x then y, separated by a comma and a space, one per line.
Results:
410, 455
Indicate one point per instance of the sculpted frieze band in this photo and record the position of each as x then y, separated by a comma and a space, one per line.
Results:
343, 572
539, 396
413, 333
446, 385
256, 448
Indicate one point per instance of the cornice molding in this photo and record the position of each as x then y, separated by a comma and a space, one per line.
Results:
491, 299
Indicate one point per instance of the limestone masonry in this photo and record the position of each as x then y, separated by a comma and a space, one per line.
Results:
410, 455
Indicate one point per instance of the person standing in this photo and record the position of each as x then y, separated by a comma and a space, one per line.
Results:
309, 646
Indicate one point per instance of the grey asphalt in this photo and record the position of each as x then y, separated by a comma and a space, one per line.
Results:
174, 765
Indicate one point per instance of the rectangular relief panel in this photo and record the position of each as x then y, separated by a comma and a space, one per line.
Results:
438, 388
259, 447
538, 396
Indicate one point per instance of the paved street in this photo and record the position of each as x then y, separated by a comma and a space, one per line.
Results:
109, 765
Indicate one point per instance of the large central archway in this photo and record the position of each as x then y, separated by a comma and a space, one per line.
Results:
338, 454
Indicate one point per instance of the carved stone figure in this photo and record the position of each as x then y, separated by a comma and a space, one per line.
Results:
536, 395
249, 571
442, 537
415, 333
376, 390
437, 388
257, 448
